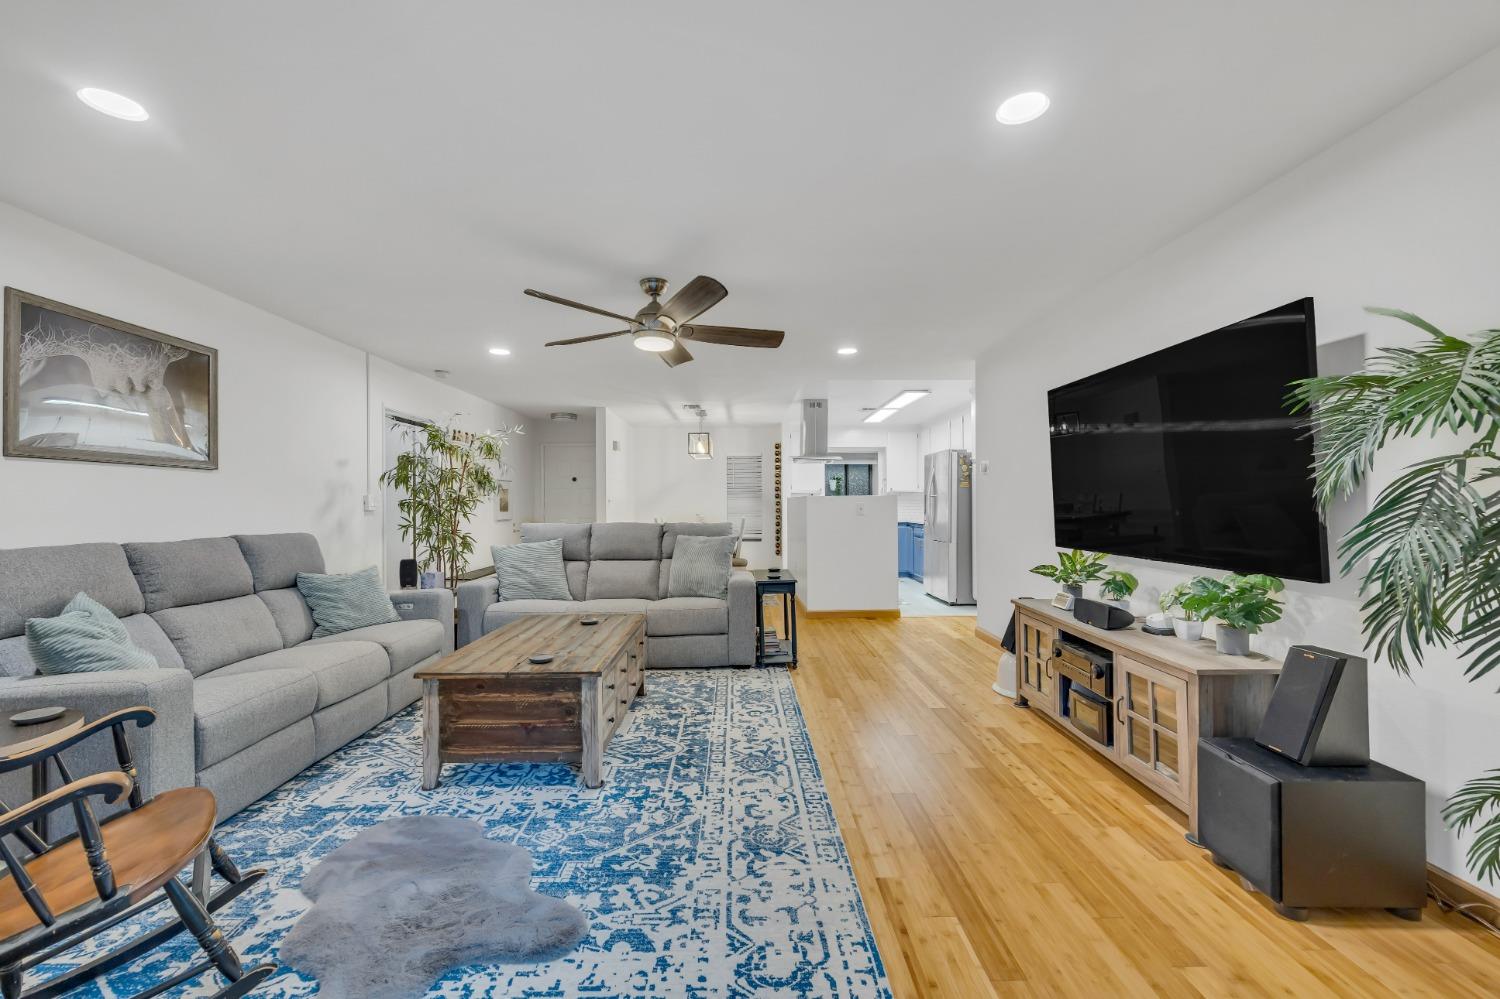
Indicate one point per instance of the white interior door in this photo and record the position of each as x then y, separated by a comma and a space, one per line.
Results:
568, 483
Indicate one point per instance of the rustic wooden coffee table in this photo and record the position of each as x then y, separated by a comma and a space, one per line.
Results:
489, 703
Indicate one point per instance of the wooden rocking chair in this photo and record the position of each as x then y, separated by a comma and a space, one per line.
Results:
69, 890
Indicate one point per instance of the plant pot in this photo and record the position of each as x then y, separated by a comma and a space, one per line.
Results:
1232, 641
1073, 591
431, 580
1188, 631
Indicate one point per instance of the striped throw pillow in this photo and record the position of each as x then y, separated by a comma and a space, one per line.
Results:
700, 566
532, 570
341, 602
85, 638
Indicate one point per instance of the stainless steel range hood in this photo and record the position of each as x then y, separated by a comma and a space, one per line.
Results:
815, 433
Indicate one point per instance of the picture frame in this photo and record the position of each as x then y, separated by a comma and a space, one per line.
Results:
80, 386
502, 502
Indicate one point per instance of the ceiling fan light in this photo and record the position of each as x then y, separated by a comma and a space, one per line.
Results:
656, 343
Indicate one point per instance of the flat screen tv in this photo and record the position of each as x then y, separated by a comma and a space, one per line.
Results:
1189, 455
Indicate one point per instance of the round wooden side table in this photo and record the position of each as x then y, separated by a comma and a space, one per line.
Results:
16, 739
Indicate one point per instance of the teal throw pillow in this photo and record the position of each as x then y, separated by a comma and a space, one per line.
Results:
531, 570
85, 638
341, 602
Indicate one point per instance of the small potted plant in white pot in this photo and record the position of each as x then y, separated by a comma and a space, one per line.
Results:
1073, 569
1238, 605
1185, 625
1117, 587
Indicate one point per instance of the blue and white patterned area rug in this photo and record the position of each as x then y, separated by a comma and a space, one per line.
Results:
709, 863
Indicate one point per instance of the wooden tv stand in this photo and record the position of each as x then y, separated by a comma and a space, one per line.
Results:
1167, 695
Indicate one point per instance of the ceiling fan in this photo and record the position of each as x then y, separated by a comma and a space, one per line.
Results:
662, 329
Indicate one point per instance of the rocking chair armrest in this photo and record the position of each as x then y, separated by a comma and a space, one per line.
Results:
142, 717
110, 785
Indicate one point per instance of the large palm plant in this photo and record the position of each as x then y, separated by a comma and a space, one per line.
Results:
1431, 540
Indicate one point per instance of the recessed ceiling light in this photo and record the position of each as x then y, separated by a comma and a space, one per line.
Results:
1020, 109
880, 415
113, 104
848, 351
500, 351
906, 398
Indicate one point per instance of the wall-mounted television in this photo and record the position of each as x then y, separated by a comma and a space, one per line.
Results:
1189, 454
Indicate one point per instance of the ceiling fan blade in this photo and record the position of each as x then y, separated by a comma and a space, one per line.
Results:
579, 305
733, 336
677, 355
586, 339
695, 298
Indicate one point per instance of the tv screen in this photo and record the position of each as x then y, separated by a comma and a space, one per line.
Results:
1189, 455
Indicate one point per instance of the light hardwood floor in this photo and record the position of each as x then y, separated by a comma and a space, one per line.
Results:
986, 873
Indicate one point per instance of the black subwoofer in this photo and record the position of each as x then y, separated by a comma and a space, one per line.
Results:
1313, 837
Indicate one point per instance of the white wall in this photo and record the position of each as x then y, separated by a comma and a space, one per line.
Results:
668, 485
299, 437
619, 474
842, 549
1402, 213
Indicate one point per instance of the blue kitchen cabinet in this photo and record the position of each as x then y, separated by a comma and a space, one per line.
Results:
909, 549
918, 550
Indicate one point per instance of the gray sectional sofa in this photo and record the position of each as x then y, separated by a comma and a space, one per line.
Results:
246, 697
624, 568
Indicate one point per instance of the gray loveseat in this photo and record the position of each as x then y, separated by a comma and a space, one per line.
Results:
625, 568
246, 697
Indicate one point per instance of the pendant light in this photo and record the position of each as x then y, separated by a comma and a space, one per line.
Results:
700, 444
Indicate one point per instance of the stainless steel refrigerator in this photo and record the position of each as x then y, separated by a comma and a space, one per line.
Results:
948, 558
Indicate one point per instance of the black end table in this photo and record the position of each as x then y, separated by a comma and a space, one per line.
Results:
770, 648
17, 739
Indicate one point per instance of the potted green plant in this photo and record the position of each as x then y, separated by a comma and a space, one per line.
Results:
1117, 587
1186, 625
1239, 605
1430, 545
1073, 569
443, 475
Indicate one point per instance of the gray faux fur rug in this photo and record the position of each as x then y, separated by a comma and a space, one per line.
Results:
406, 900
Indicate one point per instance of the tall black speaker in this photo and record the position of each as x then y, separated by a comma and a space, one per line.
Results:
1319, 713
408, 573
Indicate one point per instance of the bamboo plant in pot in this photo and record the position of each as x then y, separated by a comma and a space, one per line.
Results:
1239, 605
1073, 570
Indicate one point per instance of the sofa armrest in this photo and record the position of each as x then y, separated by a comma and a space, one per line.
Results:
427, 605
474, 598
741, 618
163, 751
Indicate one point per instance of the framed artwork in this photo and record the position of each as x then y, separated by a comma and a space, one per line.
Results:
84, 387
502, 501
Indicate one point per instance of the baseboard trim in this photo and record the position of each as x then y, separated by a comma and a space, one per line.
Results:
872, 615
1460, 892
987, 637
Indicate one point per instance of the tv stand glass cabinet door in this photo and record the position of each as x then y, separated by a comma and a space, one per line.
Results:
1034, 673
1151, 708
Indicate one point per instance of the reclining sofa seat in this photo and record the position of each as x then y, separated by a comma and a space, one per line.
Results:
245, 697
625, 568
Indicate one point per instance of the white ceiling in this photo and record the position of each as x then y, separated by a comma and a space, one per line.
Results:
393, 174
849, 402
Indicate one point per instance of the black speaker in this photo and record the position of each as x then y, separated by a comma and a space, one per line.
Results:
1319, 713
408, 573
1101, 615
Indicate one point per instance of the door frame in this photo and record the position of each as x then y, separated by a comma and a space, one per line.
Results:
542, 479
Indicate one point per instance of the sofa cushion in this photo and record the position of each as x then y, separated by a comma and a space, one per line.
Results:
669, 535
234, 711
145, 633
701, 567
637, 580
575, 538
625, 542
341, 669
183, 573
531, 570
290, 612
343, 601
211, 635
687, 616
84, 638
39, 582
275, 559
406, 643
578, 579
503, 613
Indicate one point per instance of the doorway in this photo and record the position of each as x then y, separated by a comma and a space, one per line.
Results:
568, 483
